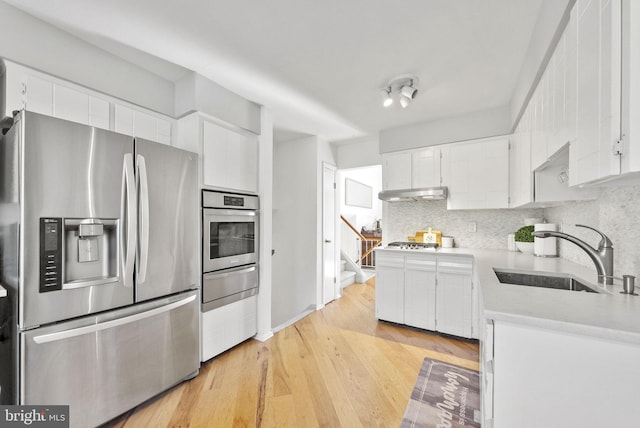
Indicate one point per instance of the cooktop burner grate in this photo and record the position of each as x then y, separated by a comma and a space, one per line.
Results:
413, 245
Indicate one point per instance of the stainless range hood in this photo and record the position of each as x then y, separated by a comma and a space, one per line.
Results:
427, 193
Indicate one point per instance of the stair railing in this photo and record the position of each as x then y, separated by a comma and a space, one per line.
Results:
368, 244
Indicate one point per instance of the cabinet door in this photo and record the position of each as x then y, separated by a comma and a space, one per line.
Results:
99, 113
538, 141
520, 175
477, 174
242, 161
454, 294
70, 104
425, 168
420, 291
396, 171
390, 287
38, 95
230, 159
598, 75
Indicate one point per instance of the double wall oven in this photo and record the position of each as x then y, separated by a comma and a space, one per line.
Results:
229, 248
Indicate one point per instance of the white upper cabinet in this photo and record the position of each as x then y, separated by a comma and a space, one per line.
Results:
477, 173
425, 168
520, 172
229, 157
48, 95
593, 155
413, 169
396, 171
141, 124
630, 156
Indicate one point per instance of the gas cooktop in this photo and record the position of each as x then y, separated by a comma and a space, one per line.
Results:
401, 245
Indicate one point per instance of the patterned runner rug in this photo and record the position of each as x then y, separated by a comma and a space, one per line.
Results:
444, 396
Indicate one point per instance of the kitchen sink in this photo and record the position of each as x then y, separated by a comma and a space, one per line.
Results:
543, 280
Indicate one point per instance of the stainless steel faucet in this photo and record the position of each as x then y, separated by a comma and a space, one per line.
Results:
602, 257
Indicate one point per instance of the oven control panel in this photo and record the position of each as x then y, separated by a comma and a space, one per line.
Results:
233, 201
227, 200
50, 254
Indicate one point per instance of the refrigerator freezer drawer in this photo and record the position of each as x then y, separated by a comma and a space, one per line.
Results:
104, 365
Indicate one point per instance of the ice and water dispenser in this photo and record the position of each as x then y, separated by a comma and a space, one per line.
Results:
77, 252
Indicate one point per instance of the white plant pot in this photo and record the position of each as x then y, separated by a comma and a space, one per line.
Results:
525, 247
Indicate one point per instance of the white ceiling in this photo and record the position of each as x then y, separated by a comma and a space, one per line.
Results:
319, 64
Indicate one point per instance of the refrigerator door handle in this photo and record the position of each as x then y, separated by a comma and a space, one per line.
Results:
128, 200
93, 328
143, 218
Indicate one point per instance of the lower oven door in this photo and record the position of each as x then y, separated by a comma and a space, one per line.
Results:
222, 287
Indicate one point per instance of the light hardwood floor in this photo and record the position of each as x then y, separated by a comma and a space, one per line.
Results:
337, 367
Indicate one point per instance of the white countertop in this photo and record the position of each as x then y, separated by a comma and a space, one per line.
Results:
608, 315
3, 292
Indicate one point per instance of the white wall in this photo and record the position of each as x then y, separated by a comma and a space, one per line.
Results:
265, 189
295, 217
359, 153
197, 93
481, 124
36, 44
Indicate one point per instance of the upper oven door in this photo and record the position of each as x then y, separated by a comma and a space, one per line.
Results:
229, 238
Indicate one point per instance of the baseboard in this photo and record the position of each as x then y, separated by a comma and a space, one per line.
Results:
264, 336
307, 311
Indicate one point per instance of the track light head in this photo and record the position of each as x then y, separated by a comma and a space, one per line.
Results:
404, 101
409, 91
386, 97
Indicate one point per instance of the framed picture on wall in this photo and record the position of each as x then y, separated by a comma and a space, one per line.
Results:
357, 194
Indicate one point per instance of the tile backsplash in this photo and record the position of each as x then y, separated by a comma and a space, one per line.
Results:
491, 226
616, 213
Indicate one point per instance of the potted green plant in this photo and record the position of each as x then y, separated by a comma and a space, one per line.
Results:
524, 239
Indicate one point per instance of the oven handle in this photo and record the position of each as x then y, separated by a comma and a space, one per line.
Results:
227, 212
228, 272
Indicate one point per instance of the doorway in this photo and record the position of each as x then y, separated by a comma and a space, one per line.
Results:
329, 260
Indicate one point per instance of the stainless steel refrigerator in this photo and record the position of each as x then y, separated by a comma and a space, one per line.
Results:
99, 255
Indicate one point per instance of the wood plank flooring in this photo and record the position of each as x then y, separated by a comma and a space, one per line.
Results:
337, 367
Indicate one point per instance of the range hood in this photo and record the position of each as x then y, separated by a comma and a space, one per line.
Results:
426, 193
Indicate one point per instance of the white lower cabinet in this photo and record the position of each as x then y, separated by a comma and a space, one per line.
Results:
390, 287
427, 291
228, 325
420, 292
535, 377
455, 296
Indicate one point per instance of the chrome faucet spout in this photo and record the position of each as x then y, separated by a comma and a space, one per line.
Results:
602, 257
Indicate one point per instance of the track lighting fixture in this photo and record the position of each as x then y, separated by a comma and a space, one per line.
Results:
402, 87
